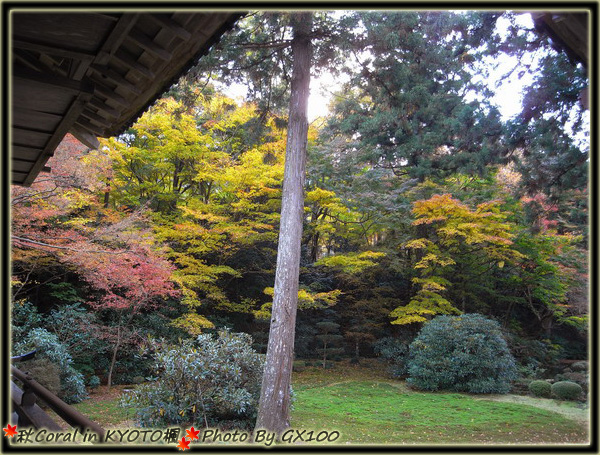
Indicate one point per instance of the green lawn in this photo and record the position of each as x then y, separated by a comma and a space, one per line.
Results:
368, 412
367, 407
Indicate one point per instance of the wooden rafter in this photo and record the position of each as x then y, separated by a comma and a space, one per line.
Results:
93, 74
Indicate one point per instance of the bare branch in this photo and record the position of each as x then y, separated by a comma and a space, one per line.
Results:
26, 241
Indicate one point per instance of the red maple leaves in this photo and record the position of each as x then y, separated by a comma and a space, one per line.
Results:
11, 431
183, 444
192, 434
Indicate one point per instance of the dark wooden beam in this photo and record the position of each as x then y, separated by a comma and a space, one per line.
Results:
85, 137
134, 65
52, 80
168, 23
66, 123
21, 160
101, 106
30, 60
111, 95
96, 118
117, 36
23, 43
147, 44
89, 126
19, 111
110, 74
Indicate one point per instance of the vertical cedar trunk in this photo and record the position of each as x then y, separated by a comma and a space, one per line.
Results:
274, 404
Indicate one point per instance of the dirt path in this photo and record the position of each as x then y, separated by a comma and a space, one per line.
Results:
572, 410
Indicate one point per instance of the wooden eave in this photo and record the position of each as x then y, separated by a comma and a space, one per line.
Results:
94, 74
568, 31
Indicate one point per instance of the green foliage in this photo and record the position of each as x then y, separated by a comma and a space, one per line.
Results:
72, 388
351, 262
566, 390
457, 239
64, 292
331, 340
77, 329
45, 372
394, 351
24, 318
541, 389
93, 382
580, 366
534, 356
399, 110
461, 353
213, 380
215, 195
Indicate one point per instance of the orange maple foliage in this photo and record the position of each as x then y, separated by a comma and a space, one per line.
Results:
183, 444
10, 431
192, 433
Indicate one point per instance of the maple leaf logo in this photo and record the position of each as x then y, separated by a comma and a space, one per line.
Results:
192, 434
11, 431
183, 444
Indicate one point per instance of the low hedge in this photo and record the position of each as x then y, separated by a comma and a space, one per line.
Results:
566, 390
540, 389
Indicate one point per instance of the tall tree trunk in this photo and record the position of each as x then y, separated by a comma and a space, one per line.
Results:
274, 404
107, 194
114, 358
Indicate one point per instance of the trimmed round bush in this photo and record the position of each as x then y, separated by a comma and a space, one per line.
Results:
464, 353
540, 389
566, 390
580, 366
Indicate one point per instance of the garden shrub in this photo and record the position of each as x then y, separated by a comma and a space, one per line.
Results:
93, 382
395, 352
534, 357
540, 389
76, 328
72, 387
566, 390
580, 366
24, 318
464, 353
213, 380
43, 371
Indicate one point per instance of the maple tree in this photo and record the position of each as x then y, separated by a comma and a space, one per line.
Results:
224, 203
450, 230
60, 223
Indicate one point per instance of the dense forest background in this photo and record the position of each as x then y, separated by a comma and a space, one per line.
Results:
421, 199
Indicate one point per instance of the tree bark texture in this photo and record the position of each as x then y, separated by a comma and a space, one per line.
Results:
274, 404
